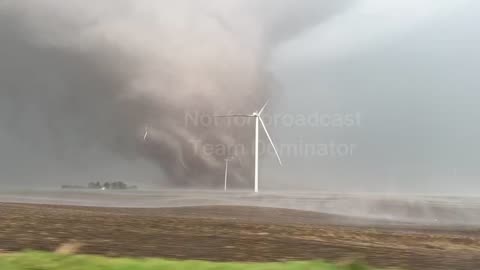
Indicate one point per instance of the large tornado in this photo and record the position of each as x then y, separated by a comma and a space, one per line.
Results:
97, 73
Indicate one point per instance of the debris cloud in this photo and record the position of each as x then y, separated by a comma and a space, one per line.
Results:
77, 76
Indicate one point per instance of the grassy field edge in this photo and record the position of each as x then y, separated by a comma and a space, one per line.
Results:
52, 261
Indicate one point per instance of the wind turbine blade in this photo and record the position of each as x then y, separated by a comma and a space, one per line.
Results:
263, 108
270, 139
234, 115
146, 134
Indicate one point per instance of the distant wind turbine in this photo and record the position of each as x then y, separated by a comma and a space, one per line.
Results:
227, 160
258, 119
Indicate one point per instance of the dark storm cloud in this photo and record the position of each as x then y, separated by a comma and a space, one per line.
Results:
80, 82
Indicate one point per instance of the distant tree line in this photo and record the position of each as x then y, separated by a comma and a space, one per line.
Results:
110, 185
118, 185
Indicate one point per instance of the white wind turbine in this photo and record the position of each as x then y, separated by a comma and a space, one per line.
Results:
227, 160
258, 119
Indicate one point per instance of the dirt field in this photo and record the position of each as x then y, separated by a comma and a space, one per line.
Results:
235, 234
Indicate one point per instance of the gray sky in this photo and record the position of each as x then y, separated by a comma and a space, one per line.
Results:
403, 71
410, 69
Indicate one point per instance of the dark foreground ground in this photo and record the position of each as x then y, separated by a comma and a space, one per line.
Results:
235, 234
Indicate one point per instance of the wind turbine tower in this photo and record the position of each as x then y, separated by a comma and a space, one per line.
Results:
258, 121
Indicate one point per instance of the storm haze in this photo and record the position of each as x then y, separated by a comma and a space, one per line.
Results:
79, 84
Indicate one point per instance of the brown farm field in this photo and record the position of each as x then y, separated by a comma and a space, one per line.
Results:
234, 233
